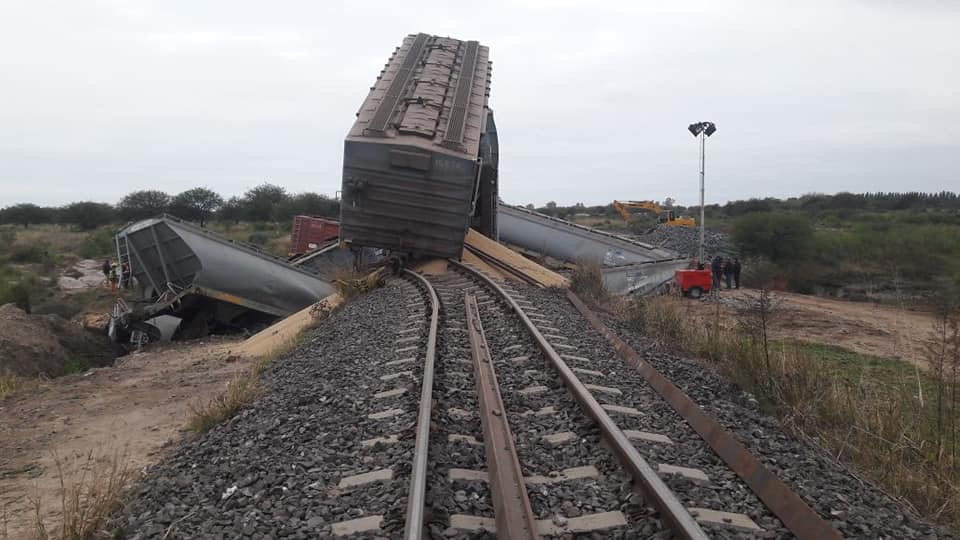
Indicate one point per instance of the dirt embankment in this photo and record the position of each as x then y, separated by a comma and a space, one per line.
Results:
865, 328
136, 408
47, 345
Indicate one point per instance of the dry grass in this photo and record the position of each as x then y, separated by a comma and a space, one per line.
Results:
874, 414
58, 238
91, 487
15, 384
240, 391
587, 281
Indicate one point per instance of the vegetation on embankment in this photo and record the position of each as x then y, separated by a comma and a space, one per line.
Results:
897, 425
891, 247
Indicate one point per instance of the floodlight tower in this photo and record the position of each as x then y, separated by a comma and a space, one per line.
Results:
702, 130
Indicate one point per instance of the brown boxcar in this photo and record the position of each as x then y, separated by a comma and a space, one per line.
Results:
309, 233
420, 162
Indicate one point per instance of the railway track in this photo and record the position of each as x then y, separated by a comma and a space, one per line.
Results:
340, 444
522, 433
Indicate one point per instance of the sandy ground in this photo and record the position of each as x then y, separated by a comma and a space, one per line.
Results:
137, 408
861, 327
84, 274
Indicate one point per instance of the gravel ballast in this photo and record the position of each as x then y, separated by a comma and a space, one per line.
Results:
855, 507
686, 240
273, 470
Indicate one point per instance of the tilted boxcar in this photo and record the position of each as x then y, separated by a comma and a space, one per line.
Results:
309, 233
420, 162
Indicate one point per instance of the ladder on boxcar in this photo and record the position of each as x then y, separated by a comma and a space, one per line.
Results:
123, 261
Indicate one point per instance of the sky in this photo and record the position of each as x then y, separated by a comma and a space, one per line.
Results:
592, 99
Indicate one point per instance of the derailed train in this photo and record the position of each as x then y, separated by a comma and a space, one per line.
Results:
420, 162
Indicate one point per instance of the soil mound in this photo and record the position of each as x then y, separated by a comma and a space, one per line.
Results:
48, 345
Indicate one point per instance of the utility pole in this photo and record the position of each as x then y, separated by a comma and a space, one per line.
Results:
702, 130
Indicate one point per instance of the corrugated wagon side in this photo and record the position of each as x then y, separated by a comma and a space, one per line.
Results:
414, 158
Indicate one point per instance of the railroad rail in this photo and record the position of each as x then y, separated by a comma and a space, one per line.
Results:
418, 476
464, 436
681, 523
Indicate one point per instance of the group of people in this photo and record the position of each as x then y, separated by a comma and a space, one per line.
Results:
725, 270
114, 276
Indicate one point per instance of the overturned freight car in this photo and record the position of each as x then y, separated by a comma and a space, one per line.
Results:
628, 266
420, 162
206, 282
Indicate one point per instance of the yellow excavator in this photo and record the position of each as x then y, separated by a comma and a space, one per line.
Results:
664, 215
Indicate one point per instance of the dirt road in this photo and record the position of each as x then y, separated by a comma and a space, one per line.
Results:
136, 408
865, 328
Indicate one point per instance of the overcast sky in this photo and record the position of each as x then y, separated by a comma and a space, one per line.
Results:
592, 99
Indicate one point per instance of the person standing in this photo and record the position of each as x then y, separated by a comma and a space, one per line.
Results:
125, 276
112, 277
736, 272
106, 271
716, 268
728, 272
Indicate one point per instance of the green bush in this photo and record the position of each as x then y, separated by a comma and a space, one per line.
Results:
30, 253
779, 237
75, 364
98, 244
15, 292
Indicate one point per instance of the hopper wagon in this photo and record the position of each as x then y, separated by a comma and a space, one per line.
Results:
420, 161
205, 280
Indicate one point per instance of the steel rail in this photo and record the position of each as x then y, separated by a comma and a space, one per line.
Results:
501, 265
680, 521
798, 517
416, 500
511, 506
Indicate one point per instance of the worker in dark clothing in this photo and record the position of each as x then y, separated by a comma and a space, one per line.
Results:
106, 269
728, 272
716, 266
736, 272
125, 276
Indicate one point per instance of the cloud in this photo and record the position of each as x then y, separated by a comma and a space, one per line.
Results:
592, 99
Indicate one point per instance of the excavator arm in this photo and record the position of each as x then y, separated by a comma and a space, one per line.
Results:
663, 216
624, 208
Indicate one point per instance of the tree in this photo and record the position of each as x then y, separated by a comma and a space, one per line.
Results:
143, 204
232, 210
25, 214
196, 204
259, 202
782, 238
88, 215
311, 204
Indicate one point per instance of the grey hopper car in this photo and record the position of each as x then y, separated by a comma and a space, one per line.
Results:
206, 280
628, 266
420, 162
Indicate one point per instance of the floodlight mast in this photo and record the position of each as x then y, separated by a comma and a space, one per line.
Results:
702, 130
